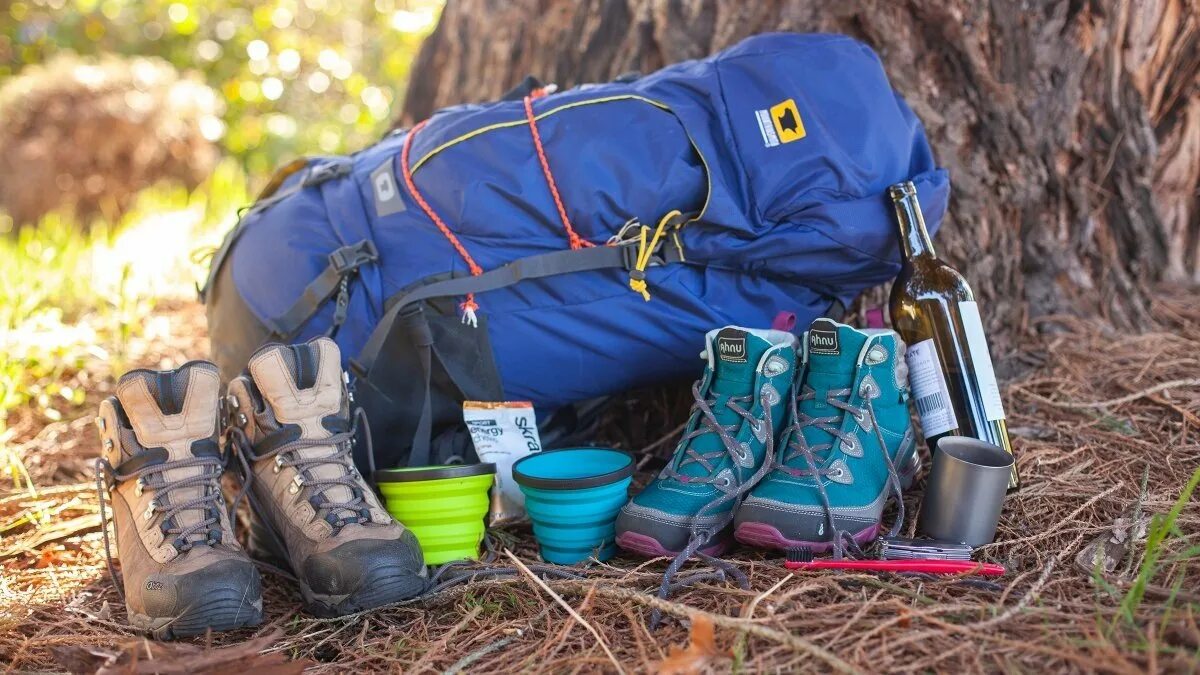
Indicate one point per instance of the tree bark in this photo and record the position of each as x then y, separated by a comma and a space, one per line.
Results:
1071, 128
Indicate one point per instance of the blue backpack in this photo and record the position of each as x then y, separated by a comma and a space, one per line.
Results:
562, 247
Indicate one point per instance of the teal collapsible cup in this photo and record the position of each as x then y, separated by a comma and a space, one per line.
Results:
573, 496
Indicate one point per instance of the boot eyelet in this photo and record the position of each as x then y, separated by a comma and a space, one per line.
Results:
297, 483
149, 512
141, 487
278, 464
242, 420
108, 444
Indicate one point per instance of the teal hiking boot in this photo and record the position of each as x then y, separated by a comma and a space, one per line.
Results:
740, 408
847, 447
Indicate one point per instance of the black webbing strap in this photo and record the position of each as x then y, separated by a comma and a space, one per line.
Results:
317, 174
622, 256
271, 195
343, 263
525, 88
422, 338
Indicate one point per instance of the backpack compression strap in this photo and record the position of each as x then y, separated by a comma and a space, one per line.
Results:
622, 256
404, 313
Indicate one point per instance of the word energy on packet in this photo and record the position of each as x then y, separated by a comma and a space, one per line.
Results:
503, 432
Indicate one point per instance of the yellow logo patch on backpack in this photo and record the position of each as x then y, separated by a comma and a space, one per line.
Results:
787, 121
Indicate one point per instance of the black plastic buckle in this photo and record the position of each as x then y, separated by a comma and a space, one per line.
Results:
629, 254
349, 258
326, 172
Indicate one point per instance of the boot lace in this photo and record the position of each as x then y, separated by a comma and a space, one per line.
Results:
352, 510
731, 493
816, 456
153, 477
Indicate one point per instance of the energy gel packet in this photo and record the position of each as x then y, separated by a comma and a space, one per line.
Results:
503, 432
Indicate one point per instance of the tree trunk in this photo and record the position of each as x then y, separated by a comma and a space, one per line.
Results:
1071, 128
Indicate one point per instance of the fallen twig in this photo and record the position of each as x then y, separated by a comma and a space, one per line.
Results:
684, 612
558, 598
1074, 405
474, 656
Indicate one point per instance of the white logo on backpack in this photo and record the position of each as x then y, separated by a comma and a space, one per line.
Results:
387, 197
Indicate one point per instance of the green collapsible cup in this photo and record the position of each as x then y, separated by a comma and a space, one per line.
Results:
444, 506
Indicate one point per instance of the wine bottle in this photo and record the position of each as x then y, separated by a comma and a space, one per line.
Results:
949, 368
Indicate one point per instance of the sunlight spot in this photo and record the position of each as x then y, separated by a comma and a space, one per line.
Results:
177, 12
208, 50
289, 60
258, 50
211, 128
407, 21
272, 88
318, 82
281, 17
328, 59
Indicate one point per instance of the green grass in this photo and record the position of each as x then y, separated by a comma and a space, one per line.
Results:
1125, 629
74, 294
1162, 529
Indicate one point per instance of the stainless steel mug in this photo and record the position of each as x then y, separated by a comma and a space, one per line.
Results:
965, 491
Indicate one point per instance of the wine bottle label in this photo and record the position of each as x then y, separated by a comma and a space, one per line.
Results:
930, 392
989, 390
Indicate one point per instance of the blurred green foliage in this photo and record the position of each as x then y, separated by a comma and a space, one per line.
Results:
297, 77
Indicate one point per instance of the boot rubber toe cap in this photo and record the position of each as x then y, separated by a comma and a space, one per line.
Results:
362, 574
221, 596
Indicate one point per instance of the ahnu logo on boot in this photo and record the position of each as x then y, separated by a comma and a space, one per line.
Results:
732, 349
823, 342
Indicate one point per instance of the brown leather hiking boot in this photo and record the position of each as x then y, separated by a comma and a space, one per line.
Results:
290, 419
184, 573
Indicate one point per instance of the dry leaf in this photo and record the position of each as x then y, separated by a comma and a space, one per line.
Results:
48, 558
700, 652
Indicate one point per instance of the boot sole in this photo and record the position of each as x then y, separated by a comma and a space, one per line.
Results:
765, 535
220, 613
393, 584
649, 547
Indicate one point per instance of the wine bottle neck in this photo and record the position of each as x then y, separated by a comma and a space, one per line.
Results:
913, 235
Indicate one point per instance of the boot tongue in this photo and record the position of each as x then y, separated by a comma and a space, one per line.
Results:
175, 410
833, 350
302, 385
736, 353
